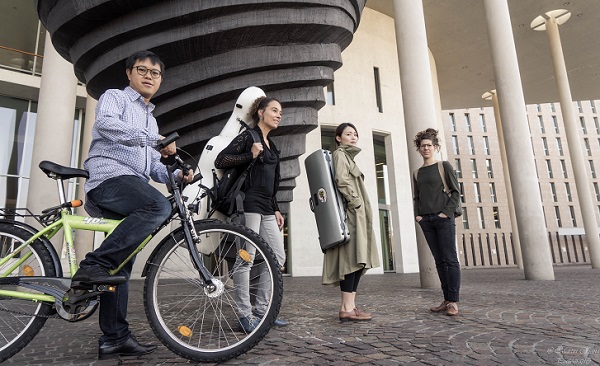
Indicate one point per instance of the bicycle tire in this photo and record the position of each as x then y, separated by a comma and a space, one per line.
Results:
17, 329
194, 323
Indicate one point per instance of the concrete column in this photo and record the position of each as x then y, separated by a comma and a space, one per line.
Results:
491, 95
84, 240
537, 259
418, 100
584, 193
54, 128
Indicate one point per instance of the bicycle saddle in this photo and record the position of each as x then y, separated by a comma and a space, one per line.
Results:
56, 171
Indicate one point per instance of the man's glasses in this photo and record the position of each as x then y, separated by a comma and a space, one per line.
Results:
143, 70
426, 146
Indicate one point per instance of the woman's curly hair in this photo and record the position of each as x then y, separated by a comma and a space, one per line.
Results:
428, 134
260, 104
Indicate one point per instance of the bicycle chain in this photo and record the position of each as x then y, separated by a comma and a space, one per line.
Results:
55, 316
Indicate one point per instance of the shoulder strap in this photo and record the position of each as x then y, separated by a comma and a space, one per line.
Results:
254, 135
443, 175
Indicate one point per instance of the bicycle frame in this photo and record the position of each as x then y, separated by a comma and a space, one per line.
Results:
70, 222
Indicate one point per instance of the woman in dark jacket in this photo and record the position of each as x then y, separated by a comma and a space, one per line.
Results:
261, 211
434, 211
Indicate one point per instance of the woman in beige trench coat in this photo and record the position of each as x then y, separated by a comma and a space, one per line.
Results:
345, 264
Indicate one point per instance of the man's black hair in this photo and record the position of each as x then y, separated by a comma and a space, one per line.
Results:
141, 56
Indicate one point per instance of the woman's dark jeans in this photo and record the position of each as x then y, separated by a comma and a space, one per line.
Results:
440, 235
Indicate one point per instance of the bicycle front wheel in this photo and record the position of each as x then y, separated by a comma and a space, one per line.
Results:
202, 324
21, 319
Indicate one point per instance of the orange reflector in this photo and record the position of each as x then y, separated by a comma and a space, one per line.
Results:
28, 271
185, 331
76, 203
244, 255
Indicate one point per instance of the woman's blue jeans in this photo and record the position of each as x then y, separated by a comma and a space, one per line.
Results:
440, 234
144, 209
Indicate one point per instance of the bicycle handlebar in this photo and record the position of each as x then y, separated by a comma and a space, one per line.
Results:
167, 140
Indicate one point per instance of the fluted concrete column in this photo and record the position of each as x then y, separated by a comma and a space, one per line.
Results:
84, 240
537, 260
491, 95
418, 100
584, 193
54, 128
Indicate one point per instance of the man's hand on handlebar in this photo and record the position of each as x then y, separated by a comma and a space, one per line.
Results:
170, 149
188, 177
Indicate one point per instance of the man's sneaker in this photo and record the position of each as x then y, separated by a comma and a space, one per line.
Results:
278, 322
249, 323
452, 308
86, 277
442, 307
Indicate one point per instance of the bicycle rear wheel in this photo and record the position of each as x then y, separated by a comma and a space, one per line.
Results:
199, 324
20, 319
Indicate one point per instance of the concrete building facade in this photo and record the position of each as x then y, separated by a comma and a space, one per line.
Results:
367, 91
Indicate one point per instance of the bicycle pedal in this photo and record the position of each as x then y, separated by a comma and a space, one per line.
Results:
105, 288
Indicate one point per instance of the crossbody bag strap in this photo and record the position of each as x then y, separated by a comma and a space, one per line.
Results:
442, 175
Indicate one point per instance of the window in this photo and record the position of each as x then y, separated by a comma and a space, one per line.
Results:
596, 191
568, 192
458, 168
452, 122
465, 218
555, 122
583, 129
480, 217
381, 170
572, 212
593, 105
471, 146
563, 166
496, 215
539, 107
597, 125
477, 193
488, 167
378, 89
330, 94
545, 146
549, 169
474, 168
552, 108
586, 143
579, 107
592, 170
559, 146
482, 121
328, 139
486, 145
468, 122
557, 213
493, 192
455, 145
553, 192
462, 192
541, 123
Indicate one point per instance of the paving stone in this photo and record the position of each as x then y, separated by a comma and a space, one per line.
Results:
504, 320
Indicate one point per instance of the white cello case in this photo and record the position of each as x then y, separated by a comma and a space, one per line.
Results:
241, 112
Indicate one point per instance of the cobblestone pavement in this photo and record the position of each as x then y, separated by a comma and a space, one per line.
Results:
504, 319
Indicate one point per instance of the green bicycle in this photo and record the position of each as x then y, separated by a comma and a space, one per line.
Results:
189, 295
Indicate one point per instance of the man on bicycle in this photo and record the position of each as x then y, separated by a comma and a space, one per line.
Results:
122, 159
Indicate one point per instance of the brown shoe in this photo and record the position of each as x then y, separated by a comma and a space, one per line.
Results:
441, 307
354, 316
363, 314
452, 308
